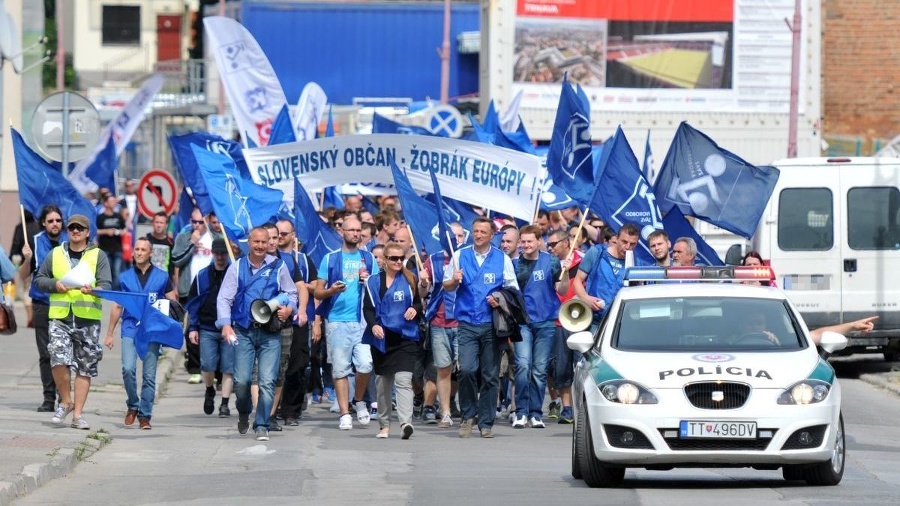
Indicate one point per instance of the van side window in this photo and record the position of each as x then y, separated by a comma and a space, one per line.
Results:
805, 221
872, 218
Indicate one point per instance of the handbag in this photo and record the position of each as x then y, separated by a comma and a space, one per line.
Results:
7, 320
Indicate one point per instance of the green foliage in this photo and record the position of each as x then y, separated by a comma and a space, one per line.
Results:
48, 77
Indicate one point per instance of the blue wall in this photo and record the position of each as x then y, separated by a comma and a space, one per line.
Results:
373, 49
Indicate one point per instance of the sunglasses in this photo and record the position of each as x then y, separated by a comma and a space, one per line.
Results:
284, 234
395, 258
75, 228
53, 221
551, 245
197, 222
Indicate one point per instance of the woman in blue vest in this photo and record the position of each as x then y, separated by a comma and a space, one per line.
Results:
392, 309
156, 283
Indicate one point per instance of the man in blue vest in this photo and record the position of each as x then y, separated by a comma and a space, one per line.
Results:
538, 275
258, 276
339, 287
75, 314
156, 283
478, 270
42, 243
602, 271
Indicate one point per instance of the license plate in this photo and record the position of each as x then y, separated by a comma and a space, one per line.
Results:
718, 430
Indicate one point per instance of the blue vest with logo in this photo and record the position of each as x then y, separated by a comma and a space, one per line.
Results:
603, 281
336, 272
155, 290
301, 265
539, 292
438, 294
42, 249
263, 284
389, 309
478, 283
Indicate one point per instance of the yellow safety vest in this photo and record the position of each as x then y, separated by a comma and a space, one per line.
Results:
84, 306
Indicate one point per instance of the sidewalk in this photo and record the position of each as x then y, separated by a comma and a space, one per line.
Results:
33, 449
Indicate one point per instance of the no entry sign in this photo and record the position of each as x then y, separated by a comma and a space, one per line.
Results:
155, 193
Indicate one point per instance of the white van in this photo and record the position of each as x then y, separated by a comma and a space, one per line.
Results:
831, 232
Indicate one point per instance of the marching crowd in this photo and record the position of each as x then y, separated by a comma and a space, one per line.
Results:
453, 338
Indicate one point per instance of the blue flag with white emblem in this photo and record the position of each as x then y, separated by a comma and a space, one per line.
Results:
382, 125
152, 326
623, 195
569, 160
317, 238
677, 226
183, 155
713, 184
420, 214
240, 204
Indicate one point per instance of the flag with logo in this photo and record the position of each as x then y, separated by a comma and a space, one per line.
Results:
253, 89
713, 184
310, 110
569, 160
40, 184
183, 155
382, 125
647, 168
120, 130
240, 204
677, 226
419, 214
317, 238
622, 194
152, 325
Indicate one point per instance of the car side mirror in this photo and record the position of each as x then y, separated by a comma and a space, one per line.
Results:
582, 342
831, 342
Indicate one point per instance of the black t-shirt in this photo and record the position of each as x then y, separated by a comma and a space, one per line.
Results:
161, 253
110, 243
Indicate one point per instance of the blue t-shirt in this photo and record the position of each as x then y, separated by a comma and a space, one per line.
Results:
346, 304
591, 257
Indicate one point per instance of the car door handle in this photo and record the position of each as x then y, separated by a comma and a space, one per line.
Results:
849, 265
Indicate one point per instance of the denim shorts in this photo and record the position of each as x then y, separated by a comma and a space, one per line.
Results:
444, 346
216, 354
345, 349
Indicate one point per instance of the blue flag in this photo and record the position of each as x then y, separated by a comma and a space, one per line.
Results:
456, 211
445, 233
331, 197
317, 238
677, 226
623, 196
369, 205
183, 155
103, 170
569, 160
647, 168
713, 184
420, 214
40, 184
382, 125
152, 326
491, 121
282, 129
240, 204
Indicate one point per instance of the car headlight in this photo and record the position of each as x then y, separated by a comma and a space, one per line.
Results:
626, 392
808, 391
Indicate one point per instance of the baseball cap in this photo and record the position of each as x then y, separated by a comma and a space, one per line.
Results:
79, 219
218, 246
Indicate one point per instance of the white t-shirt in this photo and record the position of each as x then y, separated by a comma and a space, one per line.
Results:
202, 255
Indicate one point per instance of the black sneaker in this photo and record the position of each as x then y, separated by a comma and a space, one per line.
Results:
209, 400
224, 412
292, 422
274, 426
429, 416
243, 422
47, 407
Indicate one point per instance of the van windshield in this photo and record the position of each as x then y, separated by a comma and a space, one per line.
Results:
707, 324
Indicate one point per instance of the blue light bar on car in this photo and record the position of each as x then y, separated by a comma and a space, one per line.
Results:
703, 273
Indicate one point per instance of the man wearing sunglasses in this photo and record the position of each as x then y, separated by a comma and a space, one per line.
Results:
74, 314
34, 254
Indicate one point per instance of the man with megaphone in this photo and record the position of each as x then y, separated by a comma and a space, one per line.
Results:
256, 298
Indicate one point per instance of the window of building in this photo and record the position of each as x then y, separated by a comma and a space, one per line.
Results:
805, 221
872, 216
121, 24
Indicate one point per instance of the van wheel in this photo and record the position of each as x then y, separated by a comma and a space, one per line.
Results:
830, 472
594, 473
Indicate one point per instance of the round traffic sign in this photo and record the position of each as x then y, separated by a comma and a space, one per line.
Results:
155, 193
445, 120
65, 125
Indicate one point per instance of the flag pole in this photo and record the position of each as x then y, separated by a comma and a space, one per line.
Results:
412, 240
571, 242
22, 215
537, 208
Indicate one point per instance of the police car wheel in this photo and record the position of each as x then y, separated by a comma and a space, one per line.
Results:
792, 472
577, 436
594, 473
830, 472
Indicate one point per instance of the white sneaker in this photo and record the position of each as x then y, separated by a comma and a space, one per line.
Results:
362, 413
346, 422
519, 422
536, 423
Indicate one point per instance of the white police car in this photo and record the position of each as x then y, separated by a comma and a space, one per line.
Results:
699, 374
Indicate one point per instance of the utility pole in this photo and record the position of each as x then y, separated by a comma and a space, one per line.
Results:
796, 29
60, 46
444, 53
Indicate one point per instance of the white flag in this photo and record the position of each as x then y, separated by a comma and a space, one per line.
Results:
310, 110
253, 89
122, 128
509, 120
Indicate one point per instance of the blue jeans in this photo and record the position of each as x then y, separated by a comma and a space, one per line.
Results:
563, 360
253, 345
532, 359
143, 403
115, 268
216, 354
479, 363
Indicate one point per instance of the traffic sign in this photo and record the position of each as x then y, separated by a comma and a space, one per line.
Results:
155, 193
65, 127
445, 120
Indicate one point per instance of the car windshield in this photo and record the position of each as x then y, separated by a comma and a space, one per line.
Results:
706, 324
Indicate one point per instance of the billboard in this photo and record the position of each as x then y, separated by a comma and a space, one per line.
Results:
651, 55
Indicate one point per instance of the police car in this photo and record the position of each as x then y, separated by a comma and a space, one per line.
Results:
700, 374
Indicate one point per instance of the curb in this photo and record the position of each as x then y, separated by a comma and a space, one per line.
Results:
879, 381
64, 460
